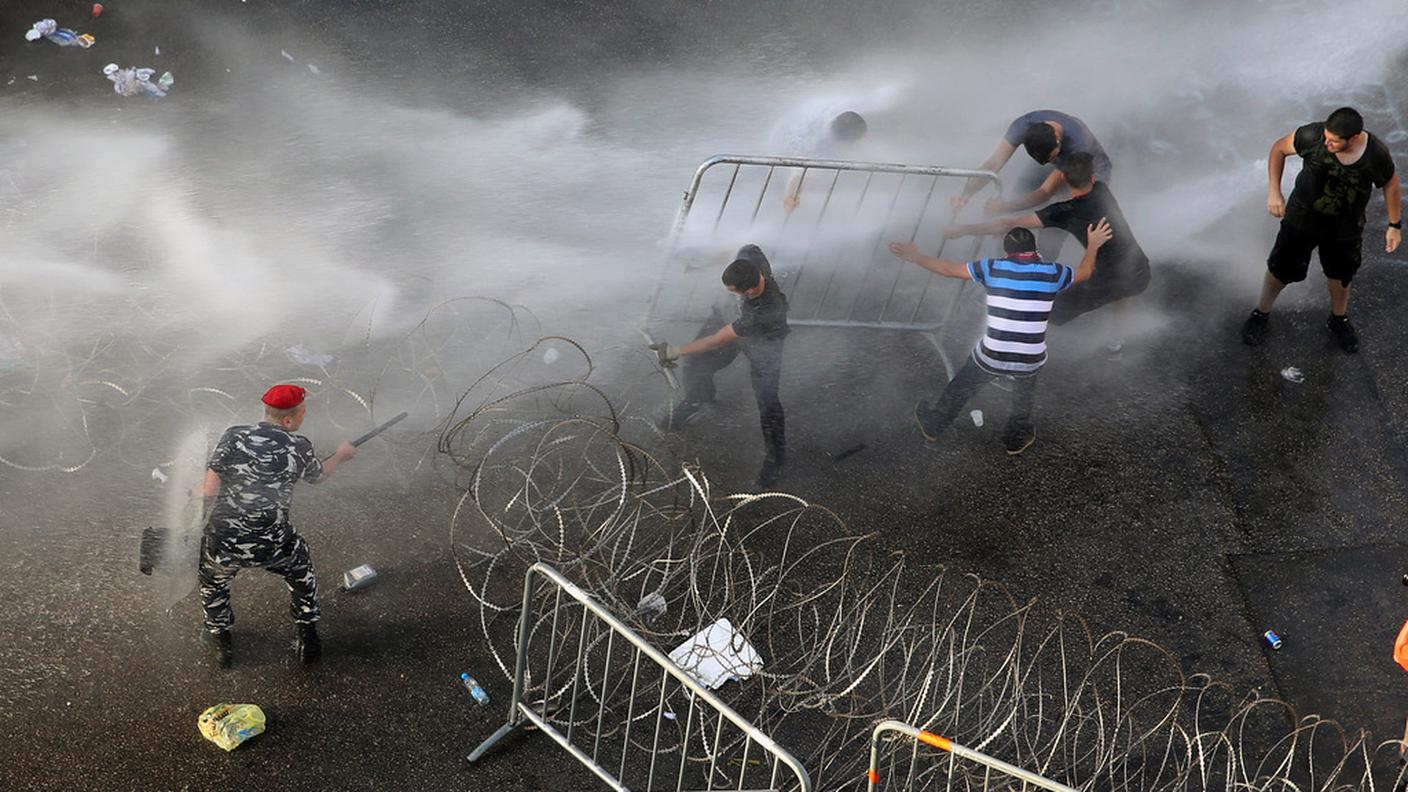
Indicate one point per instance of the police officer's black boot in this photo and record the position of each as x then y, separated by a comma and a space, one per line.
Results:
223, 647
306, 645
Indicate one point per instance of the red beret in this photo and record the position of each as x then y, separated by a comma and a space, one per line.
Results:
283, 397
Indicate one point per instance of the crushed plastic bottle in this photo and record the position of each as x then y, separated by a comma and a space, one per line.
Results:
131, 81
229, 725
49, 29
651, 606
481, 696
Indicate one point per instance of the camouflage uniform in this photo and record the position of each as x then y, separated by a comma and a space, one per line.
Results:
248, 525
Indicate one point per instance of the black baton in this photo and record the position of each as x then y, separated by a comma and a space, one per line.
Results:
373, 433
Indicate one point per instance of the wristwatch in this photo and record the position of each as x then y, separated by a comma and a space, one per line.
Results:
1395, 224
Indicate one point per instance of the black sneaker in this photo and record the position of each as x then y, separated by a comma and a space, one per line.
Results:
1017, 442
681, 414
926, 426
1344, 333
1254, 329
306, 645
768, 476
223, 648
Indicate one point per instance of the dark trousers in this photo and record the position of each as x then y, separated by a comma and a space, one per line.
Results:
291, 560
765, 371
970, 378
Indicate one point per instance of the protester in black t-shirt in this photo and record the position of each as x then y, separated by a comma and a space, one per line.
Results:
1342, 165
758, 333
1121, 268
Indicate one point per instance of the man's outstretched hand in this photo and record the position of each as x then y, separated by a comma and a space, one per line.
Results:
906, 250
668, 355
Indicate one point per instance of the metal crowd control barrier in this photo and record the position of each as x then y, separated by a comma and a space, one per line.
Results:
829, 254
630, 726
979, 772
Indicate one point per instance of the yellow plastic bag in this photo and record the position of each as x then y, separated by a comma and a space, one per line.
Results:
228, 725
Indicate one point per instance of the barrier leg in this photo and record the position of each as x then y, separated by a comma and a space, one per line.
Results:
499, 734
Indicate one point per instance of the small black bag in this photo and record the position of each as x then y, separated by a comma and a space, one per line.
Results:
149, 552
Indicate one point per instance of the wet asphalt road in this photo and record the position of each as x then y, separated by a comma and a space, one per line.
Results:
1184, 492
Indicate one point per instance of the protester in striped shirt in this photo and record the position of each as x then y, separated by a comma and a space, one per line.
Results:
1020, 290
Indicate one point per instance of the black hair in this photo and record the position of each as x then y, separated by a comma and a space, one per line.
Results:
741, 275
848, 126
1345, 122
1078, 168
1040, 140
1019, 240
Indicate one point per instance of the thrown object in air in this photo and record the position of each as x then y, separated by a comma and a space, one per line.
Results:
1272, 639
132, 80
64, 37
358, 578
230, 725
977, 416
1292, 374
717, 654
149, 550
97, 10
305, 357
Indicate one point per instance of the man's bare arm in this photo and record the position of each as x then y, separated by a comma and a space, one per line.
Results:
999, 226
1275, 169
945, 267
1393, 202
211, 486
995, 162
792, 196
343, 453
723, 337
1046, 191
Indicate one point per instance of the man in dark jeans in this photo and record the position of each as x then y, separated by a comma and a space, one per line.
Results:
1020, 289
1342, 165
758, 333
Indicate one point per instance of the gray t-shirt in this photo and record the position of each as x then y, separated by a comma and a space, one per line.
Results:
1076, 137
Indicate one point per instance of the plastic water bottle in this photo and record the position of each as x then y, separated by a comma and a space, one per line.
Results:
481, 696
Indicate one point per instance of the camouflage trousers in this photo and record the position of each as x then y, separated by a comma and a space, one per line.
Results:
221, 561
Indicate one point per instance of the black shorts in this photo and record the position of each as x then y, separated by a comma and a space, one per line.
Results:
1289, 261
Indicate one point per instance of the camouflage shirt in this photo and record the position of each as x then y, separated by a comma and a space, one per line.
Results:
258, 466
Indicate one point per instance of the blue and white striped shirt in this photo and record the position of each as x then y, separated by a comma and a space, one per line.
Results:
1020, 293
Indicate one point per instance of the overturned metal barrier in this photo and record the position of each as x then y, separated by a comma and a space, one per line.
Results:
967, 770
623, 709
